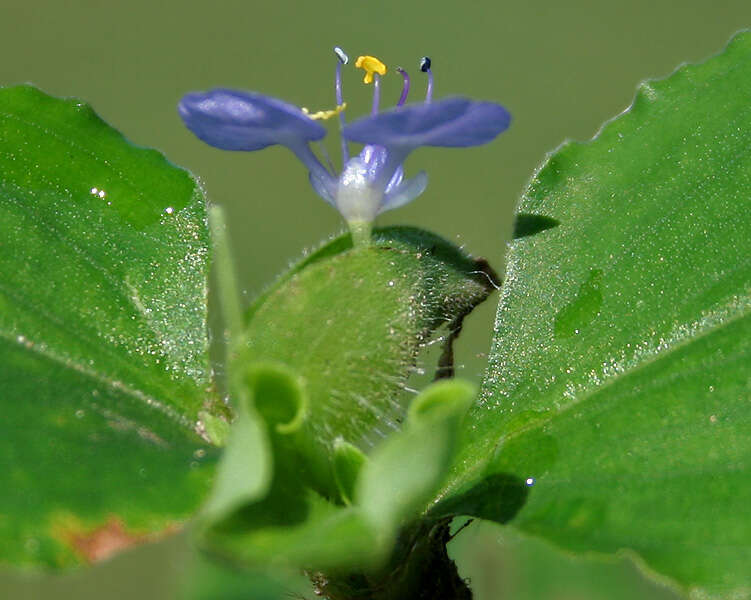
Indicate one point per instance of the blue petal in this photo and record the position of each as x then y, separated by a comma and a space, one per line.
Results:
233, 120
395, 181
453, 122
374, 159
404, 193
325, 187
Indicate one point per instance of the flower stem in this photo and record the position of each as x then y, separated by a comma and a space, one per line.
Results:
360, 231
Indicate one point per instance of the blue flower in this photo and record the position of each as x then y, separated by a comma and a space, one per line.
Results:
371, 182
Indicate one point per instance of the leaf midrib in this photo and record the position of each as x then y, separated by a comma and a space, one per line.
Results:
37, 348
112, 284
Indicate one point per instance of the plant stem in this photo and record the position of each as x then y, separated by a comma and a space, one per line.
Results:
360, 231
419, 569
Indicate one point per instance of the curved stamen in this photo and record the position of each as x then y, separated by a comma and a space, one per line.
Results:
376, 92
342, 59
425, 63
405, 86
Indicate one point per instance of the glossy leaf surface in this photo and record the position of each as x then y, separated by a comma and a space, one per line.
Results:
619, 379
103, 342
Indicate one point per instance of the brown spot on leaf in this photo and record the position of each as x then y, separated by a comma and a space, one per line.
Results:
109, 539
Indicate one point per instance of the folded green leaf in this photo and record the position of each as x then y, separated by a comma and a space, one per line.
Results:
404, 472
104, 363
244, 471
293, 525
273, 405
305, 531
618, 383
277, 393
348, 462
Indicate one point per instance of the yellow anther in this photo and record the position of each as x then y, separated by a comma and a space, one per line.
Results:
370, 64
324, 114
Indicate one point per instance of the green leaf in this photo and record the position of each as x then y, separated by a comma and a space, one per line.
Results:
204, 579
406, 469
272, 403
348, 461
287, 523
244, 470
303, 531
351, 322
497, 497
103, 345
496, 558
258, 515
293, 525
619, 374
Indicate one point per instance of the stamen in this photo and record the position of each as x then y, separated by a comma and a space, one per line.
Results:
343, 59
376, 92
371, 65
324, 115
405, 86
425, 64
341, 55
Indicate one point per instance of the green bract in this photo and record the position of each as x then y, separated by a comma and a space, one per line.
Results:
351, 322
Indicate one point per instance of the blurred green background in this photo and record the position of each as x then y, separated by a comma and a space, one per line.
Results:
561, 68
